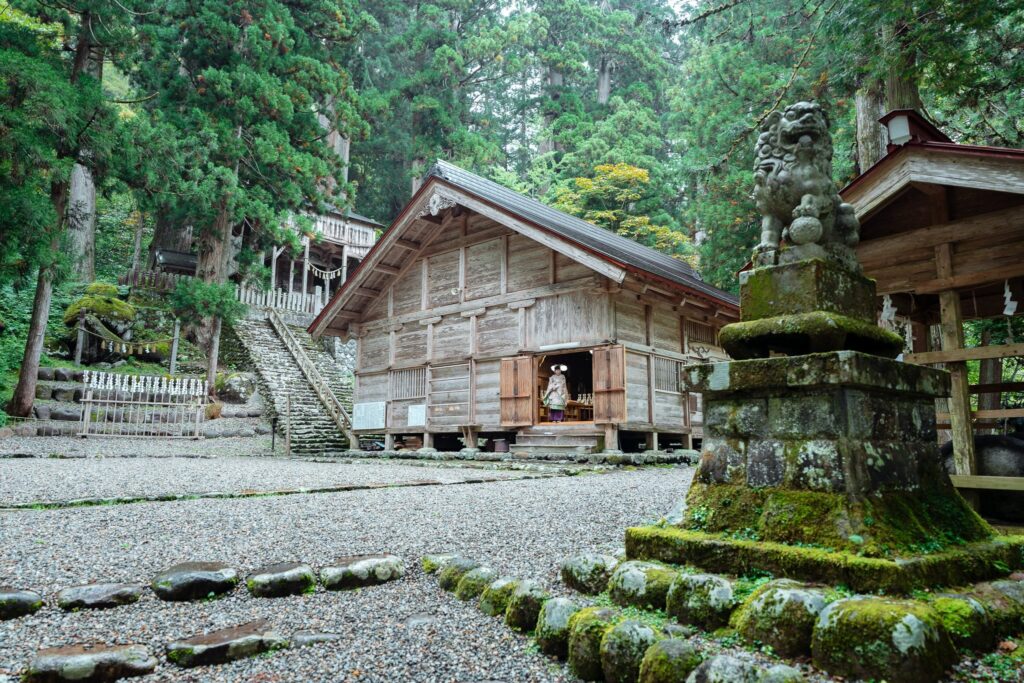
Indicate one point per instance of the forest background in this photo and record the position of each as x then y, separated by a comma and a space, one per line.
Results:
125, 125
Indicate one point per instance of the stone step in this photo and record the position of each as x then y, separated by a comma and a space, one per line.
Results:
544, 450
557, 440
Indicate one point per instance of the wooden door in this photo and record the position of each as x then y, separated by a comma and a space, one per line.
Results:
609, 384
517, 391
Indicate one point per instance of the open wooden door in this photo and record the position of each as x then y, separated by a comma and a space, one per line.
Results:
517, 391
609, 384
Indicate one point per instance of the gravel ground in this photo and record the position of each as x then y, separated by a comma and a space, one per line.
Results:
98, 447
521, 527
29, 480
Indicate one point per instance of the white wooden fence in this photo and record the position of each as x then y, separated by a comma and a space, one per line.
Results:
281, 300
142, 406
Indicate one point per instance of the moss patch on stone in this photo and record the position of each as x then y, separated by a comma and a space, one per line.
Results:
720, 553
101, 300
669, 661
805, 333
586, 630
892, 524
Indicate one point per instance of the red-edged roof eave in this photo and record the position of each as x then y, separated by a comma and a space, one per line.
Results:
947, 147
434, 179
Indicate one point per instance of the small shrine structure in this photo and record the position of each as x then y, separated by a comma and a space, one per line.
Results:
942, 234
475, 292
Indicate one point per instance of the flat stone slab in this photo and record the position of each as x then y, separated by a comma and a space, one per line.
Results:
99, 596
361, 570
226, 645
304, 638
16, 603
89, 663
280, 580
715, 553
194, 581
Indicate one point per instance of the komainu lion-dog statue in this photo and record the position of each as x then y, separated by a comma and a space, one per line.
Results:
795, 194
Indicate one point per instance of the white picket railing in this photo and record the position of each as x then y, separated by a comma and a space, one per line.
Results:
139, 406
336, 230
281, 300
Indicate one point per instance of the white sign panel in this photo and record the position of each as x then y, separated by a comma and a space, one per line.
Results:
417, 415
369, 415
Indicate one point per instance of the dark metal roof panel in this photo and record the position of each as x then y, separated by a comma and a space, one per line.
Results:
592, 237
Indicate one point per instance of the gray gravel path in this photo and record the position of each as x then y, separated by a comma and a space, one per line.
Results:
99, 447
522, 527
30, 480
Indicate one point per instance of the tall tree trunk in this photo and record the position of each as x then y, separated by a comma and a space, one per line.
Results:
28, 374
555, 82
871, 135
990, 372
604, 81
140, 228
168, 235
212, 266
901, 89
81, 239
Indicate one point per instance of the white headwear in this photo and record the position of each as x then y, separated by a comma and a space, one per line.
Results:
556, 366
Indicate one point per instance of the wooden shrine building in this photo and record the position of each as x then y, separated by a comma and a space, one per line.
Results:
942, 233
475, 291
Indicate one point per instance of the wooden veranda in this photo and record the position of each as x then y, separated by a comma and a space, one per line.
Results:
942, 233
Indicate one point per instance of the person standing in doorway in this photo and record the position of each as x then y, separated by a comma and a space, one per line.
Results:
557, 395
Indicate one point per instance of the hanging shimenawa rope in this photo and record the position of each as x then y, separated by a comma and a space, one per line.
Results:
112, 342
326, 274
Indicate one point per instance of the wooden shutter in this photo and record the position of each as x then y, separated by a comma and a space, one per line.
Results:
517, 391
609, 384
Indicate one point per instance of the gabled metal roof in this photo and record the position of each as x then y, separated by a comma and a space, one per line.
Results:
602, 242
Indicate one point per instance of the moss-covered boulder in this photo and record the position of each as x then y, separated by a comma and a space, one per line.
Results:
494, 599
524, 605
435, 562
733, 668
16, 603
622, 649
781, 614
641, 584
588, 573
1004, 602
781, 673
586, 630
552, 632
454, 570
900, 641
474, 582
704, 600
966, 620
669, 661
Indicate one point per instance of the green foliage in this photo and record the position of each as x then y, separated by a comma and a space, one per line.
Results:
195, 298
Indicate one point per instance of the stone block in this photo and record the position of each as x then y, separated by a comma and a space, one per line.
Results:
818, 466
766, 463
736, 418
16, 603
194, 581
871, 416
45, 374
226, 645
64, 395
64, 374
44, 392
722, 461
806, 416
84, 663
805, 286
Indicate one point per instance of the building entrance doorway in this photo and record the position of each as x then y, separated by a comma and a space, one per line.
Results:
577, 398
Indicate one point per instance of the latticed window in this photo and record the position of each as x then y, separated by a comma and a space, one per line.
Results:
411, 383
666, 375
699, 333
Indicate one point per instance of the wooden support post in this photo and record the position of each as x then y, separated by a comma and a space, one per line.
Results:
652, 441
688, 441
305, 270
291, 275
389, 442
174, 346
428, 440
952, 335
80, 343
611, 437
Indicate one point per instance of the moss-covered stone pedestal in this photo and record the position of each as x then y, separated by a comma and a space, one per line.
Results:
824, 467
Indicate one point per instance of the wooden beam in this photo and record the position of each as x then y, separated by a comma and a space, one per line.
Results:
956, 355
971, 279
987, 483
987, 414
886, 249
389, 270
407, 244
997, 387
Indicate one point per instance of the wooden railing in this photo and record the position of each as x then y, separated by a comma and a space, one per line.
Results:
323, 390
281, 300
344, 232
154, 280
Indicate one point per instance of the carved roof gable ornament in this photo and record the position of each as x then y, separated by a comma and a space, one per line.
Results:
438, 201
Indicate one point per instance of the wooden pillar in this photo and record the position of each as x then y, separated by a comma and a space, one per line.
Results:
428, 440
952, 335
344, 262
611, 437
174, 346
291, 274
389, 442
652, 441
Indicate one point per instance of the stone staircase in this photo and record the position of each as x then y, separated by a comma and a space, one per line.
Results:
564, 439
313, 431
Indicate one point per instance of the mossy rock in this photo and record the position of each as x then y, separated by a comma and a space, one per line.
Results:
1004, 601
781, 673
101, 300
474, 582
966, 620
900, 641
801, 334
453, 572
703, 600
435, 562
552, 632
669, 661
622, 650
641, 584
727, 668
524, 605
586, 630
494, 599
588, 573
781, 614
